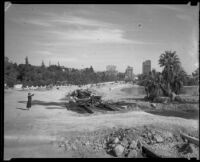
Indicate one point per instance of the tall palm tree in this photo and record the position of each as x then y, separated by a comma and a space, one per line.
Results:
172, 72
169, 58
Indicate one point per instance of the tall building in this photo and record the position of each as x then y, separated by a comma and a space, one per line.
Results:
129, 73
146, 67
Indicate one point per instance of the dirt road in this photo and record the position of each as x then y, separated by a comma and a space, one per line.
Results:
29, 133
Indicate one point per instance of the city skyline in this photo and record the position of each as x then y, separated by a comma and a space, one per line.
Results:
79, 36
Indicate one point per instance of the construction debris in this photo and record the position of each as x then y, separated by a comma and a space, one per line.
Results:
190, 139
118, 150
148, 152
87, 101
130, 143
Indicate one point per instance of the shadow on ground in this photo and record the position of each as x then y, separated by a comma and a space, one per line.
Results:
43, 103
135, 99
55, 107
21, 108
172, 113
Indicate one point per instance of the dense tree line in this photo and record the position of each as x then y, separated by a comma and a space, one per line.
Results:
29, 75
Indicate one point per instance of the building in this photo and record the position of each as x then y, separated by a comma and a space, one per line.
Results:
146, 67
111, 70
18, 86
129, 73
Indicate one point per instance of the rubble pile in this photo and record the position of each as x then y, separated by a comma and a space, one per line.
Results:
152, 143
86, 101
134, 143
123, 143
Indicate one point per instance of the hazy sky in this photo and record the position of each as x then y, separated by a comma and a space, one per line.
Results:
99, 35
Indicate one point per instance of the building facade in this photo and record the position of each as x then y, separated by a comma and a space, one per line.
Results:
129, 73
146, 67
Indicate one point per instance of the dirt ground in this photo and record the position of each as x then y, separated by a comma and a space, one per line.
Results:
38, 131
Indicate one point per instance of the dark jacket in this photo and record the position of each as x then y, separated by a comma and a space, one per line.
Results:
29, 101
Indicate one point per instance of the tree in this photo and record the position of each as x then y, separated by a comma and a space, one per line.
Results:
10, 72
173, 74
42, 65
26, 60
195, 75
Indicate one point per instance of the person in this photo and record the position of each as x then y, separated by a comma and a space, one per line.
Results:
28, 106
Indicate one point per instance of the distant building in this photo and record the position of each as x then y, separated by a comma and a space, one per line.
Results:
146, 67
18, 86
111, 70
129, 73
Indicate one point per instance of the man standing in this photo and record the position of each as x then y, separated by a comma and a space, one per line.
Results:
28, 106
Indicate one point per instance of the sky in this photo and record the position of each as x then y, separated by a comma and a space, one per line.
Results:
80, 36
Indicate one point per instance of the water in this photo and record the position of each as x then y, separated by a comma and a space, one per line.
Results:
135, 91
139, 90
189, 113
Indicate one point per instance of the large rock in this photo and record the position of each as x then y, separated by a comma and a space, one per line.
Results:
133, 145
116, 140
185, 148
132, 154
118, 150
158, 138
153, 105
124, 142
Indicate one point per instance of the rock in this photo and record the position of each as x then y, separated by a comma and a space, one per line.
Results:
139, 145
67, 147
133, 145
153, 132
149, 134
87, 143
185, 148
173, 95
124, 142
113, 145
144, 135
118, 150
73, 147
132, 154
116, 140
153, 105
168, 135
192, 147
158, 138
61, 145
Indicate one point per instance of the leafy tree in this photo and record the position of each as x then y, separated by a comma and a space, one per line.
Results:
10, 72
29, 75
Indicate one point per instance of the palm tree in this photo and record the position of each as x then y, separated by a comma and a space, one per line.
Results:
169, 58
152, 85
172, 72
